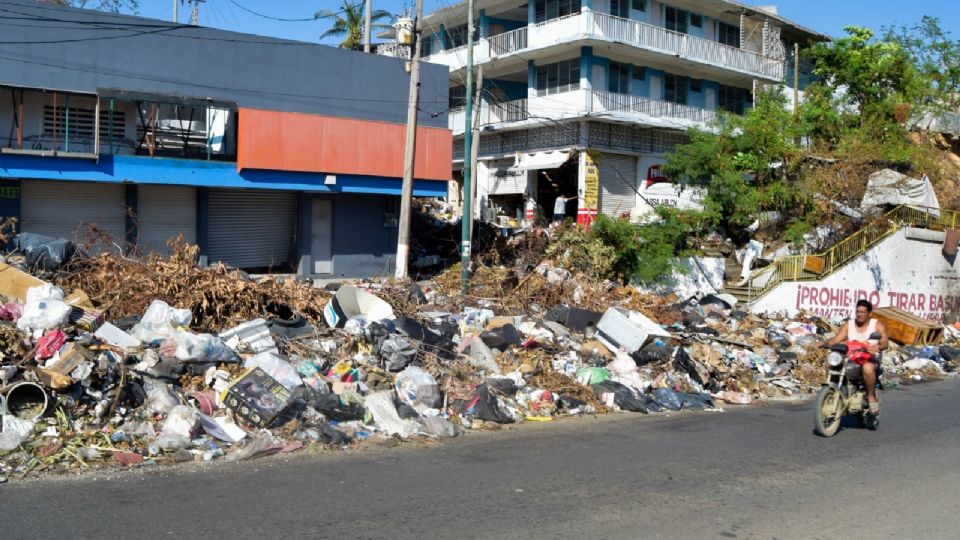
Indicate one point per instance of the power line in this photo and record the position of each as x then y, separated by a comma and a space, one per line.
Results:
281, 19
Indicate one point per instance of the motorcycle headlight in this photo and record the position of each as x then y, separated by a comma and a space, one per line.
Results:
834, 359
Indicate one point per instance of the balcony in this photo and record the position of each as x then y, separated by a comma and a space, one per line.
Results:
588, 25
582, 103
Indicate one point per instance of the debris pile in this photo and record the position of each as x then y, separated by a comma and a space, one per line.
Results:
108, 361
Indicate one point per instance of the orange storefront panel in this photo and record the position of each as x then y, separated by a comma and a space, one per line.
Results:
312, 143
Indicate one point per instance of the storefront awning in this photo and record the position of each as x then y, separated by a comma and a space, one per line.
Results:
541, 160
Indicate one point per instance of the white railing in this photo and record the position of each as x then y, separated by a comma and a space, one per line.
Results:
613, 102
490, 113
508, 42
685, 46
456, 119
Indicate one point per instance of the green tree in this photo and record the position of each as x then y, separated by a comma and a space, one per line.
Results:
937, 59
115, 6
348, 23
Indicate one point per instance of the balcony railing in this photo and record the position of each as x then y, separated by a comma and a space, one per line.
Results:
593, 25
613, 102
685, 46
575, 103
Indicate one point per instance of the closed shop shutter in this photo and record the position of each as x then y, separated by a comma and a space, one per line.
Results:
165, 212
251, 229
70, 209
618, 183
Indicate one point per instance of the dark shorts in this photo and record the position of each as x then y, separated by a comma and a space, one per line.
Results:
559, 217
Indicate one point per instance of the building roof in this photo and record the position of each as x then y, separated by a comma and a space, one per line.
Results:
76, 50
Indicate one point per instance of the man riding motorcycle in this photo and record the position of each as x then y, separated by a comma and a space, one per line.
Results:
859, 329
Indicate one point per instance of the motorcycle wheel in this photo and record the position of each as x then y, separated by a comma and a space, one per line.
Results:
828, 411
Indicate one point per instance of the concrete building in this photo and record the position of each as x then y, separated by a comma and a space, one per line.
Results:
267, 153
583, 98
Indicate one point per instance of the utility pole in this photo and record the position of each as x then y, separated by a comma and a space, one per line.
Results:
367, 16
406, 193
467, 220
796, 78
195, 16
176, 7
476, 138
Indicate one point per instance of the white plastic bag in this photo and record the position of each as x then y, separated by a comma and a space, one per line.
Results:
380, 405
277, 368
418, 389
160, 399
15, 431
192, 347
45, 309
160, 321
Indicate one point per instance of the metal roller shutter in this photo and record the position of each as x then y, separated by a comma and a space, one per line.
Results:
164, 212
618, 183
65, 209
251, 229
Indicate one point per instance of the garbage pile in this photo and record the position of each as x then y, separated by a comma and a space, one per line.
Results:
116, 362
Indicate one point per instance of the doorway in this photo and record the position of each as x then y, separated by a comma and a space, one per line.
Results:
321, 233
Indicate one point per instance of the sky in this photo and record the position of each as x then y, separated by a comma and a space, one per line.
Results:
825, 16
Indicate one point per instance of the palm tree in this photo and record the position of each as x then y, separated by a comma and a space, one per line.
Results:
348, 22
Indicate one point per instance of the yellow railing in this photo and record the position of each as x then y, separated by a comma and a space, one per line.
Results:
792, 268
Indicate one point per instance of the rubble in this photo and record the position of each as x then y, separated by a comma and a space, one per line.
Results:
188, 364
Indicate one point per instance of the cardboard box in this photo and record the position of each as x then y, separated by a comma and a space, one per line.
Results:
257, 398
908, 329
14, 282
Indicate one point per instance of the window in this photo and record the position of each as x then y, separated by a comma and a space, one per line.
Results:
639, 73
696, 86
560, 77
729, 35
675, 89
733, 99
619, 78
458, 96
696, 20
676, 20
552, 9
639, 5
620, 8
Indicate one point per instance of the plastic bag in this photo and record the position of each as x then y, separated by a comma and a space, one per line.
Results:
397, 353
667, 398
264, 445
623, 396
160, 321
593, 375
190, 347
277, 368
441, 427
697, 402
15, 431
160, 399
45, 309
622, 365
380, 405
418, 389
10, 312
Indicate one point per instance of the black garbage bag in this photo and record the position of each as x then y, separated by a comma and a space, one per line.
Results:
486, 406
949, 353
44, 252
714, 300
502, 385
416, 331
568, 403
683, 362
696, 402
376, 333
693, 317
404, 410
653, 352
396, 353
652, 405
501, 338
333, 435
623, 396
331, 407
667, 399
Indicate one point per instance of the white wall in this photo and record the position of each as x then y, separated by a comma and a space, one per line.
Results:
899, 271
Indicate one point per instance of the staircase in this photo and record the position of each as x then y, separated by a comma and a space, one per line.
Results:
792, 268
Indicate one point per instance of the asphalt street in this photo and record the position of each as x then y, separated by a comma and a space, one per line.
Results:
753, 472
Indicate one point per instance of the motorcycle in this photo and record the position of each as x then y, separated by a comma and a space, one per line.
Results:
845, 393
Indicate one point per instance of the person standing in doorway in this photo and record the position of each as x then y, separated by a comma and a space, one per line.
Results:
560, 209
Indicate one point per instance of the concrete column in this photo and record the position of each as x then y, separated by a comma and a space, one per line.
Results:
484, 24
304, 234
203, 224
586, 84
131, 201
531, 79
532, 12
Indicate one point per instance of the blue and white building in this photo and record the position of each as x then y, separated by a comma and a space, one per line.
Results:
575, 86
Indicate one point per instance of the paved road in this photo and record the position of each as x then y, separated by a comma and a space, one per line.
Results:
754, 473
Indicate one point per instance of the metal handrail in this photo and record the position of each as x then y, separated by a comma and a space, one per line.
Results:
791, 268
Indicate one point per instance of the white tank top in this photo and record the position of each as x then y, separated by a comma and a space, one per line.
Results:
855, 334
